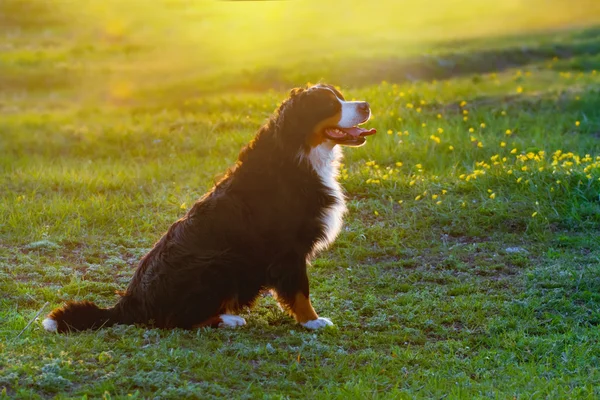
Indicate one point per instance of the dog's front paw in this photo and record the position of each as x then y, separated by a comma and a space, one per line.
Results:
318, 323
231, 321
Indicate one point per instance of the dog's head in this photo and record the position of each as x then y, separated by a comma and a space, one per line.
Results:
320, 114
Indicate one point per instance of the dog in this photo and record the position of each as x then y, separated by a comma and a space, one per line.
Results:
256, 230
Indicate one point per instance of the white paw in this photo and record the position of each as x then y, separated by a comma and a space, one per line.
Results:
318, 323
231, 321
50, 325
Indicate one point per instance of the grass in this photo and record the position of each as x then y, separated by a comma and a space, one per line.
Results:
469, 261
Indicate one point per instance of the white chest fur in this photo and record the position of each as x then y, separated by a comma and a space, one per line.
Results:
325, 160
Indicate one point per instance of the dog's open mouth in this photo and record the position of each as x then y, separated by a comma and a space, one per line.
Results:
354, 136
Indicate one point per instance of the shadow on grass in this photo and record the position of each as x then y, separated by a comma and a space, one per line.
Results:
578, 49
446, 60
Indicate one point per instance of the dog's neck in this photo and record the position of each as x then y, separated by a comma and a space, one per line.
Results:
325, 160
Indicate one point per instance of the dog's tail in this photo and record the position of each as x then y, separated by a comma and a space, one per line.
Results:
82, 315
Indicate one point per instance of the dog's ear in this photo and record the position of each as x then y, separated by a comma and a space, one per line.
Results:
296, 91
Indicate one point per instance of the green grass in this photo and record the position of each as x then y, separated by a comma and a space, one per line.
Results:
462, 272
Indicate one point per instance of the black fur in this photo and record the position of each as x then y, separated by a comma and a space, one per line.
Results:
255, 230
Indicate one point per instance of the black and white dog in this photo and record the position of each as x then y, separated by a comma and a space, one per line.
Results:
255, 230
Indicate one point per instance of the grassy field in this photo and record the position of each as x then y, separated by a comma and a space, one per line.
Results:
469, 264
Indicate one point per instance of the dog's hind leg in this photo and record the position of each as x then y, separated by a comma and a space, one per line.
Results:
221, 321
231, 321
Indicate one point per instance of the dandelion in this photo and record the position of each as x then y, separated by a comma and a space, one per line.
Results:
438, 202
389, 132
482, 125
465, 112
439, 116
435, 139
419, 166
509, 172
513, 151
411, 183
519, 180
479, 144
508, 132
444, 191
471, 130
519, 89
493, 196
534, 214
577, 123
440, 130
502, 144
434, 196
524, 168
465, 118
423, 124
418, 198
451, 148
183, 206
463, 103
463, 204
503, 113
376, 213
399, 163
400, 201
418, 109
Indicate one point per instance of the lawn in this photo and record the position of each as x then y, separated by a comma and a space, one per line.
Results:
469, 262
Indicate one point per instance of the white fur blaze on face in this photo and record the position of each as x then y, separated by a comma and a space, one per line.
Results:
325, 160
50, 325
231, 321
351, 114
318, 323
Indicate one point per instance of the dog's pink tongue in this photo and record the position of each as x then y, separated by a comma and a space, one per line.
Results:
358, 131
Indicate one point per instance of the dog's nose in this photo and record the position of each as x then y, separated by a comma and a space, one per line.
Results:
364, 107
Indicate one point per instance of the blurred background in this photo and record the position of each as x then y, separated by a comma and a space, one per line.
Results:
133, 51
